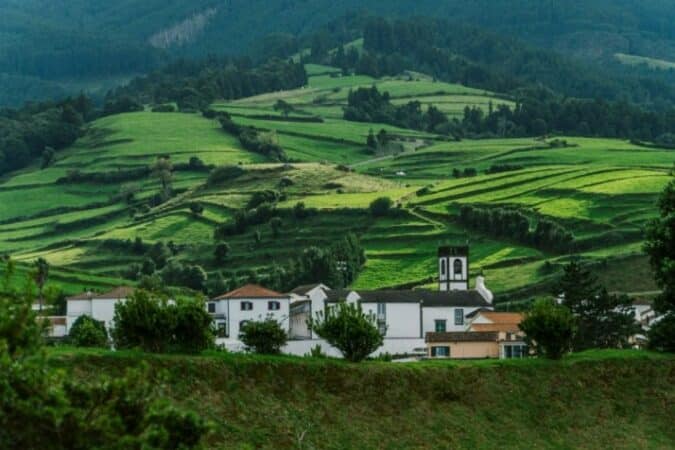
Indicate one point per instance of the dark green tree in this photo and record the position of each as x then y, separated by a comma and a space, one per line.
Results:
602, 320
40, 275
263, 336
549, 329
660, 246
380, 207
346, 327
276, 225
220, 252
88, 332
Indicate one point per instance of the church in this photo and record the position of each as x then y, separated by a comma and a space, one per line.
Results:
405, 317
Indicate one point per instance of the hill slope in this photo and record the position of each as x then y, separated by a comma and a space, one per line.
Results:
78, 213
618, 400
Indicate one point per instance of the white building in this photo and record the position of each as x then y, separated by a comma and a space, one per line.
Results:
404, 316
232, 310
100, 307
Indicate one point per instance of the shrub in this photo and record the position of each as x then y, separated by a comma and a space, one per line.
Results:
265, 336
193, 331
662, 334
380, 206
276, 225
549, 328
154, 325
346, 327
167, 107
220, 252
143, 321
222, 174
88, 332
196, 208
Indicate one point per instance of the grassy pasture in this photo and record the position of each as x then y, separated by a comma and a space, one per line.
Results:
592, 400
602, 190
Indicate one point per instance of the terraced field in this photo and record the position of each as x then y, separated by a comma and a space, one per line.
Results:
600, 190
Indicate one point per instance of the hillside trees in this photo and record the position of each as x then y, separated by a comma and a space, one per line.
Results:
513, 224
602, 320
369, 105
40, 130
162, 170
194, 85
660, 246
41, 274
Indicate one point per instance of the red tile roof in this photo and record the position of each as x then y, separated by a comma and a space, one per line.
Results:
251, 291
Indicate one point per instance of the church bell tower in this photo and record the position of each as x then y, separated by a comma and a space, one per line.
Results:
453, 268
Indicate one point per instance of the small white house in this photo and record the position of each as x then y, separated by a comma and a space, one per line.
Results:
251, 302
100, 307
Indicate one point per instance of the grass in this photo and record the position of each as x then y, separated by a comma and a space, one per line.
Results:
591, 400
602, 190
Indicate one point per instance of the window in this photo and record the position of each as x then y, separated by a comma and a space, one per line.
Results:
442, 352
459, 316
242, 324
440, 326
443, 267
246, 306
381, 311
515, 351
457, 269
222, 329
382, 318
273, 306
212, 307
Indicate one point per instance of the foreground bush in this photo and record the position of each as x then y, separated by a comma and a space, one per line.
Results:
549, 329
41, 409
347, 328
156, 325
265, 336
88, 332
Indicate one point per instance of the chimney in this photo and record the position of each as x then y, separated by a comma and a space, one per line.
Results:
482, 290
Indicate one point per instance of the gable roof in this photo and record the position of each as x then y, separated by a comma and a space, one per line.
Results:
251, 291
117, 293
305, 288
503, 317
83, 296
470, 298
461, 336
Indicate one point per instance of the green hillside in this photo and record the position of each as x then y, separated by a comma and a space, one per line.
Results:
591, 400
78, 212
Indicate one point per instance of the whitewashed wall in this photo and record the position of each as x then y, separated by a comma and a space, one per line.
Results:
431, 314
402, 319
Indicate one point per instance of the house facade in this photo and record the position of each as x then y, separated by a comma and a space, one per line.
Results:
100, 307
487, 334
251, 302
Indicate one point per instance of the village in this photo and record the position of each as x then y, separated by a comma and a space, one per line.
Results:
455, 321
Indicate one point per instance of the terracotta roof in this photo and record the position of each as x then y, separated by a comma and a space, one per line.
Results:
461, 336
251, 291
502, 317
506, 327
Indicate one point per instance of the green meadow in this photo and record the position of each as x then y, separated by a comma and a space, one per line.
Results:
601, 190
